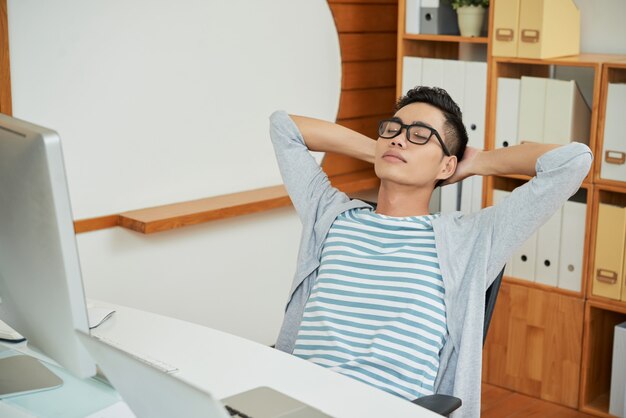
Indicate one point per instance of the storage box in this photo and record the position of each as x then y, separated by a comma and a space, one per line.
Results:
536, 28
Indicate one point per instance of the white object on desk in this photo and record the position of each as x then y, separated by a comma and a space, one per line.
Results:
225, 365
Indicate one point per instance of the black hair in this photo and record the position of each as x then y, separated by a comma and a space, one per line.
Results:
455, 135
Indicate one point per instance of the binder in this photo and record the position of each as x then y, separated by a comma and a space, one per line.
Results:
617, 401
525, 260
477, 193
531, 109
614, 148
572, 245
453, 81
548, 243
609, 251
507, 109
411, 73
499, 196
449, 198
475, 102
505, 28
466, 195
432, 72
567, 116
412, 19
548, 29
437, 17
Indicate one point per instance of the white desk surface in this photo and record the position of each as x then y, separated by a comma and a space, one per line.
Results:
225, 364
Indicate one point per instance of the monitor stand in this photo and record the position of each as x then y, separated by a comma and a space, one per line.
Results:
22, 374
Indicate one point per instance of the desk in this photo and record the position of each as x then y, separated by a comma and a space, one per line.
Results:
225, 364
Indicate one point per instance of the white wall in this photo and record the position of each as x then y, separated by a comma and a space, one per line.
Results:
602, 28
161, 101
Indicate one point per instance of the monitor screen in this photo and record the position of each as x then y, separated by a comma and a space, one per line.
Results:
41, 290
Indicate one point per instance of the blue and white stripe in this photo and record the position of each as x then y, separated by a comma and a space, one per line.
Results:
376, 312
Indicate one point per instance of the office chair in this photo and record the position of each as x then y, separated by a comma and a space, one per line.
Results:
446, 404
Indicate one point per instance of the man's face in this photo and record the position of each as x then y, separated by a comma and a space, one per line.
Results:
402, 162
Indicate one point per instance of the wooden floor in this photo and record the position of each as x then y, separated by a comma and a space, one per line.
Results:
502, 403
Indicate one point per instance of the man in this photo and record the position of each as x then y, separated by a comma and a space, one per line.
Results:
394, 297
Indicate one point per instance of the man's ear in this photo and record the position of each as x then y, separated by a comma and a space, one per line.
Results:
448, 168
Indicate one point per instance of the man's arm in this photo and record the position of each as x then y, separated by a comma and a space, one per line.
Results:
323, 136
518, 159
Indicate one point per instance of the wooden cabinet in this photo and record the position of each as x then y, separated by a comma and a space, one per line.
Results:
534, 343
547, 342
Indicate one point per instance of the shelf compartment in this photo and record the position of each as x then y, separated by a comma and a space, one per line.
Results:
600, 320
608, 194
583, 195
614, 72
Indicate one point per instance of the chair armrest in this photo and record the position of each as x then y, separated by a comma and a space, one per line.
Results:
441, 404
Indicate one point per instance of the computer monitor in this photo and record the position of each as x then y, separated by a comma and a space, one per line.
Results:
41, 290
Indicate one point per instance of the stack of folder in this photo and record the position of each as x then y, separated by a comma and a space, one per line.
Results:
536, 28
466, 82
614, 147
554, 254
609, 274
543, 110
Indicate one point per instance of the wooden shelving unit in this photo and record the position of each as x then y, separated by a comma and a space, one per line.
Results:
529, 324
446, 38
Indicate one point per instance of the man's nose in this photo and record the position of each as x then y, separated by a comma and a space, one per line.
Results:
400, 140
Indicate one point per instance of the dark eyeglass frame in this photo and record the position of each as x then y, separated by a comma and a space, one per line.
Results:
407, 129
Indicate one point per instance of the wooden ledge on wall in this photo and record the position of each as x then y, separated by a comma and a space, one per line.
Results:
178, 215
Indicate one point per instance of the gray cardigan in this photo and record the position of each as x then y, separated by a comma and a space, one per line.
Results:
472, 249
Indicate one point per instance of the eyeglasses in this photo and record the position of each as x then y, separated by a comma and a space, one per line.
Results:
416, 133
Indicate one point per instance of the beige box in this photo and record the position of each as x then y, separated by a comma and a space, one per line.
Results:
505, 28
548, 29
609, 263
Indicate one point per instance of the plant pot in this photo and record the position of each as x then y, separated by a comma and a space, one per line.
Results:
470, 20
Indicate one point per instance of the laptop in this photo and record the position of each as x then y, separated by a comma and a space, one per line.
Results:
153, 393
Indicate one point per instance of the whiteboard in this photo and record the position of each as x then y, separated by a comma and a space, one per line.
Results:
161, 101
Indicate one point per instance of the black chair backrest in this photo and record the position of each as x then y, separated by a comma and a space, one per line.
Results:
490, 302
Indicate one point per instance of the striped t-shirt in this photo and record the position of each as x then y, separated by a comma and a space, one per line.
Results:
376, 312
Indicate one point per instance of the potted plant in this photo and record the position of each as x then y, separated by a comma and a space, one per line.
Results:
471, 14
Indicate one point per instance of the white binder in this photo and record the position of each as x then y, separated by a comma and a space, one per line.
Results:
547, 261
531, 109
572, 245
467, 191
475, 101
449, 198
412, 21
525, 260
617, 399
499, 196
432, 72
567, 117
614, 148
454, 80
507, 109
411, 73
477, 193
